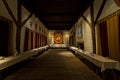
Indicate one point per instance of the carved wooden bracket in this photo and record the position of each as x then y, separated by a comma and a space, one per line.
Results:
19, 14
17, 21
26, 19
100, 11
117, 2
86, 20
10, 12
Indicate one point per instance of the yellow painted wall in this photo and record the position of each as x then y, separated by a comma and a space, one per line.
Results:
98, 42
113, 37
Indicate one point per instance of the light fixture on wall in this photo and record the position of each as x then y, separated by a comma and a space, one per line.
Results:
52, 35
66, 35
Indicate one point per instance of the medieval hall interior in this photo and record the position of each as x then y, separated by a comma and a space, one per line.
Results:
59, 39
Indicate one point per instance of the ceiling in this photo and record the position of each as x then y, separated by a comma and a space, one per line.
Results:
57, 14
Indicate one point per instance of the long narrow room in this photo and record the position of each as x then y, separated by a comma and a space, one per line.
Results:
60, 40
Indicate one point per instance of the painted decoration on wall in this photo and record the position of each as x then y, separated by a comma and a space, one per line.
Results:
58, 38
79, 31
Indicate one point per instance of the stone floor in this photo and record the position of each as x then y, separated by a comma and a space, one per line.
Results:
54, 64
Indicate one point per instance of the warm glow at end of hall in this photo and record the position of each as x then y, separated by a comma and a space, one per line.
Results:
66, 35
52, 36
66, 53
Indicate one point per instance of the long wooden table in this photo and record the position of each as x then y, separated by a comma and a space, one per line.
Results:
103, 63
100, 61
11, 60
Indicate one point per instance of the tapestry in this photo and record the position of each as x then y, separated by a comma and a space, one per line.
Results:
58, 37
79, 31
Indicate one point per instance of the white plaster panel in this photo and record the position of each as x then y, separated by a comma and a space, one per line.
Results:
13, 6
97, 4
25, 13
3, 11
87, 37
109, 8
87, 14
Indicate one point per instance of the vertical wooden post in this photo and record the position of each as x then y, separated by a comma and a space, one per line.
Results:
18, 38
93, 23
19, 26
18, 21
93, 28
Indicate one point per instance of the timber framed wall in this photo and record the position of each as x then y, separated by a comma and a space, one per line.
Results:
97, 12
18, 14
5, 37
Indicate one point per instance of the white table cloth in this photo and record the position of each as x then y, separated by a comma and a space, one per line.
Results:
11, 60
100, 61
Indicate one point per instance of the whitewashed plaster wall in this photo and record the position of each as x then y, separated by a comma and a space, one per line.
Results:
25, 13
4, 13
87, 36
109, 8
35, 21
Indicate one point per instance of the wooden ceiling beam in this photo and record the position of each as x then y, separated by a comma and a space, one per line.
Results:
58, 14
67, 9
59, 28
63, 22
59, 24
19, 12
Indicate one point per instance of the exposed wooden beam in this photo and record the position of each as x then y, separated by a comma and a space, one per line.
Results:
19, 27
92, 14
100, 11
54, 28
19, 12
59, 24
86, 20
26, 19
59, 14
93, 28
10, 12
70, 21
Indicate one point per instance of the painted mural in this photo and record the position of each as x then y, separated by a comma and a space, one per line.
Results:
58, 38
79, 31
